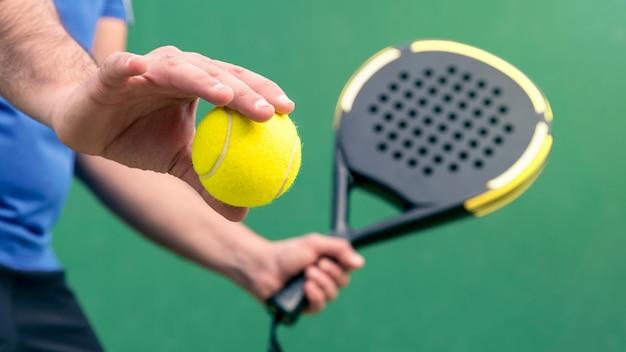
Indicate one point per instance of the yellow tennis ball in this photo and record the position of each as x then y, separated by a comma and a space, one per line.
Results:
245, 163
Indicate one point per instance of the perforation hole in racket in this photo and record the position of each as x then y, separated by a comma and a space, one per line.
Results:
449, 101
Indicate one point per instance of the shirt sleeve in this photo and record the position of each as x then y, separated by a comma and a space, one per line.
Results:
121, 9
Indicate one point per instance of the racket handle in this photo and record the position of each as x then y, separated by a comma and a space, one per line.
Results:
287, 304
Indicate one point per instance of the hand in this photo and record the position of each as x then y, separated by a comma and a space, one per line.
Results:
327, 263
140, 110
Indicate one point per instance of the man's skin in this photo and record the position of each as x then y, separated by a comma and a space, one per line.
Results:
130, 98
139, 111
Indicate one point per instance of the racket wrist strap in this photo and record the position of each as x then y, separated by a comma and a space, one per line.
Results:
274, 344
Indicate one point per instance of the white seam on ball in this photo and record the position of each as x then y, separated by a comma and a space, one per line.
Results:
222, 156
296, 144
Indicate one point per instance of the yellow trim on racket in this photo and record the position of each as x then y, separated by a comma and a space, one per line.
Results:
360, 77
385, 56
538, 100
496, 198
507, 198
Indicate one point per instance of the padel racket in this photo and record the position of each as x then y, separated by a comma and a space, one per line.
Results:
442, 129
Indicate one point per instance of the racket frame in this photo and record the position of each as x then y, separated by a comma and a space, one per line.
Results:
500, 190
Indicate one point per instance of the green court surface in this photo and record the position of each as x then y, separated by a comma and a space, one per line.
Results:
545, 274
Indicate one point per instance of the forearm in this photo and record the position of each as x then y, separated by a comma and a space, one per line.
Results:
170, 213
163, 208
38, 58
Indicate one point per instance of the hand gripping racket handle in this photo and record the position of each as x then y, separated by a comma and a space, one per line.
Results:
287, 304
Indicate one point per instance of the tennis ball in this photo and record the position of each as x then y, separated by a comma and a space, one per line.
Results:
245, 163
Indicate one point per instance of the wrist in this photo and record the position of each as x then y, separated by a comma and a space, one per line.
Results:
67, 107
62, 91
58, 98
256, 268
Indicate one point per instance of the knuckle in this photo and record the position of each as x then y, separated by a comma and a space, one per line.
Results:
343, 244
215, 72
315, 237
221, 99
268, 284
171, 60
237, 70
331, 268
310, 273
309, 256
245, 93
241, 94
169, 49
116, 57
200, 57
333, 295
344, 248
112, 61
309, 240
343, 279
204, 79
326, 264
219, 62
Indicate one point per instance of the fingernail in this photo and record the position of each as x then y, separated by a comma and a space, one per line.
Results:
262, 104
285, 100
130, 59
220, 86
357, 259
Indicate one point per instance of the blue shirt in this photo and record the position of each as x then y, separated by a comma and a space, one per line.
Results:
35, 168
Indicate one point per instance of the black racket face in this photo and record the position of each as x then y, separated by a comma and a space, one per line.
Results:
433, 126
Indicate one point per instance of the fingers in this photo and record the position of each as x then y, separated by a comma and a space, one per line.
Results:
315, 297
120, 66
189, 80
326, 261
323, 285
169, 70
192, 79
331, 272
251, 94
136, 65
234, 214
338, 249
246, 100
229, 212
323, 281
265, 87
183, 169
334, 271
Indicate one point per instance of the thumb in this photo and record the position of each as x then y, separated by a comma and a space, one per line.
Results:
338, 249
120, 66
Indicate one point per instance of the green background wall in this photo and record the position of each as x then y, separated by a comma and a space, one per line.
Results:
545, 274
